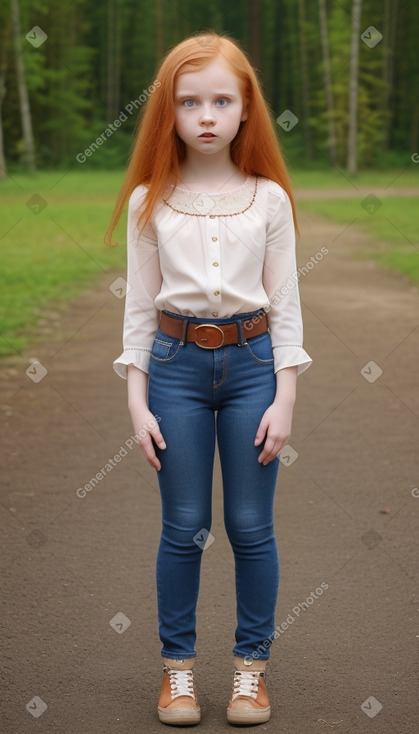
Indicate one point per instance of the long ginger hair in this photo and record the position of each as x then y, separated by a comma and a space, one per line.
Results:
157, 149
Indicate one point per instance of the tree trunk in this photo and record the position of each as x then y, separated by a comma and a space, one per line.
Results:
3, 69
276, 65
25, 110
328, 82
305, 96
159, 30
114, 61
254, 35
389, 40
352, 163
3, 165
414, 130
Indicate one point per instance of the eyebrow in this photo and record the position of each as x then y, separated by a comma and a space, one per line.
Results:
180, 95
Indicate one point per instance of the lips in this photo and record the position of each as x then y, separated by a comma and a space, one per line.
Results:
207, 135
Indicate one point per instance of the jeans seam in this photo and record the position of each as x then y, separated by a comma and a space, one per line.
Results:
257, 359
164, 360
224, 377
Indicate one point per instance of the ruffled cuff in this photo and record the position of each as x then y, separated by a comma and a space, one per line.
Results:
289, 356
138, 356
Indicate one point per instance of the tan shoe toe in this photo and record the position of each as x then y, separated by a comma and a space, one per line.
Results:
249, 703
178, 704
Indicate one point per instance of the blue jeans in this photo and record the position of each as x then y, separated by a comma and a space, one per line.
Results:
200, 395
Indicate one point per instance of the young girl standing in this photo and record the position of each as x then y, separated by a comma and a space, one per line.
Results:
212, 346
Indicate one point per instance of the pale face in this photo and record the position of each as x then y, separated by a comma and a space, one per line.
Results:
208, 108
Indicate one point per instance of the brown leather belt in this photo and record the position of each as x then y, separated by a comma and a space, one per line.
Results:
212, 336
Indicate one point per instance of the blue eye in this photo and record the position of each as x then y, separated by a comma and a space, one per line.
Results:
222, 102
188, 102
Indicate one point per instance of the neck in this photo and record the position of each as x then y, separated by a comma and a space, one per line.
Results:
213, 171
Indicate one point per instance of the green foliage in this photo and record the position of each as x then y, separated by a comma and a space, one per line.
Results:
399, 176
98, 57
51, 256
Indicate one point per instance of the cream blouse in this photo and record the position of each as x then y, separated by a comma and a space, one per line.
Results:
213, 255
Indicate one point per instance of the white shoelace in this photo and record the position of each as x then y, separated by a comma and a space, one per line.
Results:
245, 683
181, 682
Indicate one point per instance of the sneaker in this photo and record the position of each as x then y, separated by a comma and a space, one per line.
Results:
249, 703
178, 704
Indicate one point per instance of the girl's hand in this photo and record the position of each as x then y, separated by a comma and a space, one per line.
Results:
146, 430
276, 426
146, 426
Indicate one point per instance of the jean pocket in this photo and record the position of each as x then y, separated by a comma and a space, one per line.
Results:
165, 348
260, 348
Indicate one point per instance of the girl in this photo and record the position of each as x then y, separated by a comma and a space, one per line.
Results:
212, 346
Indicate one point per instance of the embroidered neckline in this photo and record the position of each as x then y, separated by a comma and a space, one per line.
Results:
213, 193
223, 204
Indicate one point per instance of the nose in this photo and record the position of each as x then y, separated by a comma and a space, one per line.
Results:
207, 115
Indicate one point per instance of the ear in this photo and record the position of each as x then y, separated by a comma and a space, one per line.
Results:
244, 114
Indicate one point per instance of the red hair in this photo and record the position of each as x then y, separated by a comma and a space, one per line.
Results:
158, 150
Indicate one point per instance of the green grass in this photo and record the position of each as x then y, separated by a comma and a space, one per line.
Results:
49, 257
393, 178
80, 181
395, 222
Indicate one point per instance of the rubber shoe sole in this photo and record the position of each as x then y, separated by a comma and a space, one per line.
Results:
179, 717
247, 717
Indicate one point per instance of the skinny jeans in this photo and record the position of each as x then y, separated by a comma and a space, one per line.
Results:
202, 396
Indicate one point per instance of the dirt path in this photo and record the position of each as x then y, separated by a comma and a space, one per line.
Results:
79, 611
355, 192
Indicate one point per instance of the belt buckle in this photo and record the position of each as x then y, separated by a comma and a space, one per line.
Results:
206, 336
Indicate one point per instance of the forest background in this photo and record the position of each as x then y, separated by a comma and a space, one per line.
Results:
348, 70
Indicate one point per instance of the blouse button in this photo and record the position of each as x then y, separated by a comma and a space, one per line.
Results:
215, 313
215, 264
214, 239
216, 293
212, 216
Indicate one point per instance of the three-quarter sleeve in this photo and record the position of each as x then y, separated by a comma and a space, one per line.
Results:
141, 317
280, 280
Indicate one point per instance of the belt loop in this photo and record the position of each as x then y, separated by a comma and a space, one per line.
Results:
241, 340
185, 329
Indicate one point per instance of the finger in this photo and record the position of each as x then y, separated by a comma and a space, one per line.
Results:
154, 463
266, 451
278, 446
271, 449
146, 445
158, 437
155, 432
261, 432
